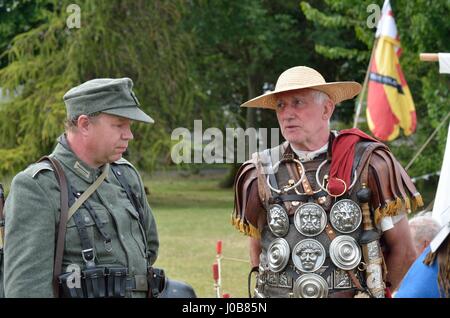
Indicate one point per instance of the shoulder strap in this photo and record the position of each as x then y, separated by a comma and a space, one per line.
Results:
59, 251
89, 191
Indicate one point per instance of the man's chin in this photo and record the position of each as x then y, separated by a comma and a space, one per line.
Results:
293, 140
115, 157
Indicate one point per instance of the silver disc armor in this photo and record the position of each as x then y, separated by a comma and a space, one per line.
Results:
299, 258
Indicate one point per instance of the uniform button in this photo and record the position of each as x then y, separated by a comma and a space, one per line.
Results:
86, 219
121, 236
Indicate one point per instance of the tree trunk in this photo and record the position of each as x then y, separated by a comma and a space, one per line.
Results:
251, 120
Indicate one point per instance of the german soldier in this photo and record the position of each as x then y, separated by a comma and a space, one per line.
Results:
111, 238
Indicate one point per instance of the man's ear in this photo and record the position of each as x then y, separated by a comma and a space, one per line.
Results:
83, 124
328, 109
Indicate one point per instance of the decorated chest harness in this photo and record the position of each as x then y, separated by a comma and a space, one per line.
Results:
316, 244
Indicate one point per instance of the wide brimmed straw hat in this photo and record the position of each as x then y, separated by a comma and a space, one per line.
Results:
300, 77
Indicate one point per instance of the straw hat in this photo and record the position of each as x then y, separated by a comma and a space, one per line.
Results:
300, 77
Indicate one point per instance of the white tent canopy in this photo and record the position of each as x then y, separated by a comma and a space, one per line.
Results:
441, 207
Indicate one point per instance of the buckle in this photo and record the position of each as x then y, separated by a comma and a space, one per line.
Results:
140, 282
88, 255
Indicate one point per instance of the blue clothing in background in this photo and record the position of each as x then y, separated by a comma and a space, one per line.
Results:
421, 281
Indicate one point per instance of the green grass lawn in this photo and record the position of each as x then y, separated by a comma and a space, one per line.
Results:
192, 214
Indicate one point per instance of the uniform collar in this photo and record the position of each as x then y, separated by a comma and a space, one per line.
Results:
64, 153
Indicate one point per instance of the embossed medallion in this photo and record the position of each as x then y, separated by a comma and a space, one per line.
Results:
278, 220
310, 219
308, 255
341, 279
345, 216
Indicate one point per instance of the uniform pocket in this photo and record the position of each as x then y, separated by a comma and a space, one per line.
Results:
104, 251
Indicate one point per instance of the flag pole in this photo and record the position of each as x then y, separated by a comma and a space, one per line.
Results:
429, 57
366, 80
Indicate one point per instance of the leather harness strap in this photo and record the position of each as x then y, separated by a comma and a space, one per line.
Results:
89, 191
64, 199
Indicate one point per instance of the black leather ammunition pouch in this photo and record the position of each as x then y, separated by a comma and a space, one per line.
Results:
96, 282
116, 282
70, 285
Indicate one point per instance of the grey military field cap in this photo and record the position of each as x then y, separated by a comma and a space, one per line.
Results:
107, 95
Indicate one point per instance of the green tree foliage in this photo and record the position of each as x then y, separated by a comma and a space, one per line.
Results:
343, 36
17, 17
243, 44
240, 46
139, 39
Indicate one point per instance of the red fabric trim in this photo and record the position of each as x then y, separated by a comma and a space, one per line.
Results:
388, 293
343, 152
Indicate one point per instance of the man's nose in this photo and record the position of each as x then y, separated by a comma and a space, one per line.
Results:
128, 135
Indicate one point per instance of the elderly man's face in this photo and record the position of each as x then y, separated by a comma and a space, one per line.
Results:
302, 120
108, 137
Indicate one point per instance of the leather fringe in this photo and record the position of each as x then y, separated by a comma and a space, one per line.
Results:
394, 207
245, 227
417, 201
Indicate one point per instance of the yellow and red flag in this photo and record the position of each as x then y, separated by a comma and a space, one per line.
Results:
389, 101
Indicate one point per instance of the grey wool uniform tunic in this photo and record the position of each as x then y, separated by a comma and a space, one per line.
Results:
32, 212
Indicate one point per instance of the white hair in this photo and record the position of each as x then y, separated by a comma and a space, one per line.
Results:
423, 228
319, 96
